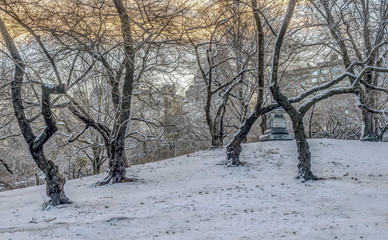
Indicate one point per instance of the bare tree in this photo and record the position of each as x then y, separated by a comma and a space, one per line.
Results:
126, 63
234, 147
356, 71
223, 66
55, 181
358, 29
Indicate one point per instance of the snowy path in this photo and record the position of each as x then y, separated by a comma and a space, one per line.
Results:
191, 197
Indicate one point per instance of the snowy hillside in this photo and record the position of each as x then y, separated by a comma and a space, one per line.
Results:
191, 197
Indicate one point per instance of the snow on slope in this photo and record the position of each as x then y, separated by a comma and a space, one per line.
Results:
191, 197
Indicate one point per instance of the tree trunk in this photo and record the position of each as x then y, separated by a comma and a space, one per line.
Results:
217, 141
217, 133
234, 148
54, 180
233, 153
116, 154
311, 122
304, 155
368, 133
117, 163
263, 124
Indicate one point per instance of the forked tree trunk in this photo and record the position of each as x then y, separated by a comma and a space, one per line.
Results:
116, 154
216, 126
54, 180
117, 162
304, 155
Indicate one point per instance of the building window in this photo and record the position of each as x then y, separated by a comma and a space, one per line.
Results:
336, 70
314, 80
315, 73
325, 71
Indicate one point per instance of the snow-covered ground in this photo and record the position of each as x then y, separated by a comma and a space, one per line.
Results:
191, 197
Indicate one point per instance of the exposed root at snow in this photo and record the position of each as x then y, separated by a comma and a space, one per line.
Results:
113, 180
231, 163
309, 176
47, 205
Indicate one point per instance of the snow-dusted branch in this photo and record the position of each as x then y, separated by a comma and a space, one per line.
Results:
51, 126
82, 115
38, 40
324, 95
6, 166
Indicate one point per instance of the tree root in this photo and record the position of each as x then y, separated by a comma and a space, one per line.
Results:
232, 162
112, 180
309, 176
52, 203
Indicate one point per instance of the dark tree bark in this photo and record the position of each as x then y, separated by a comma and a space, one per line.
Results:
368, 133
263, 124
116, 144
304, 155
219, 73
368, 128
54, 180
217, 140
310, 126
234, 147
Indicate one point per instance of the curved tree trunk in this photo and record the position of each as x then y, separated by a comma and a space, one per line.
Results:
304, 154
234, 148
54, 180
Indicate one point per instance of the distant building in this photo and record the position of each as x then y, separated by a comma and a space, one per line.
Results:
298, 80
